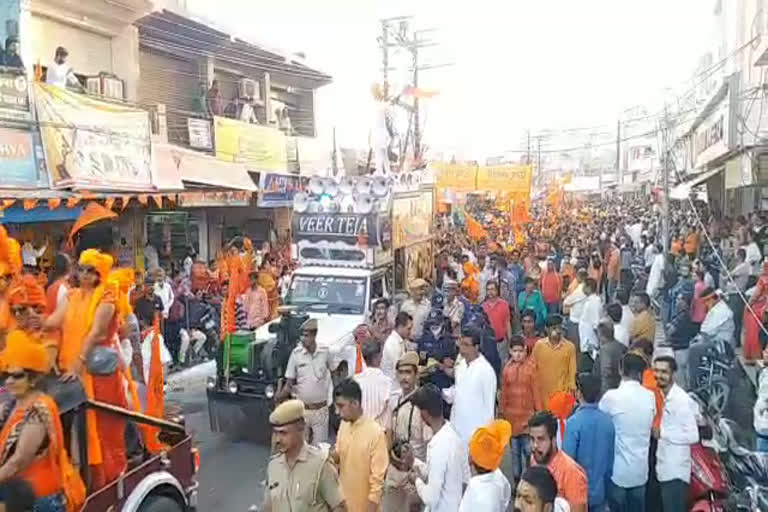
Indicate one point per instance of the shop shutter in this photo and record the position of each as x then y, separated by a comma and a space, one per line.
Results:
89, 53
762, 169
174, 82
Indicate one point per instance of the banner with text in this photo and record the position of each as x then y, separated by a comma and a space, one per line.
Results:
457, 177
91, 144
260, 148
505, 178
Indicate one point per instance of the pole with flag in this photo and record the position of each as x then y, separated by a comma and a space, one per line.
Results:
155, 394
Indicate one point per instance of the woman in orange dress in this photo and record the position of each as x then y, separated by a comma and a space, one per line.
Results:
88, 320
751, 322
31, 440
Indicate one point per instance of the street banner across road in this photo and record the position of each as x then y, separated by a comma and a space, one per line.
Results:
504, 178
456, 177
92, 144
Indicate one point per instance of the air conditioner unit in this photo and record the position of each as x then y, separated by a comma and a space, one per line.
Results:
248, 88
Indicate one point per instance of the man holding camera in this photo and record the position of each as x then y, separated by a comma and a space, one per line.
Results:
408, 432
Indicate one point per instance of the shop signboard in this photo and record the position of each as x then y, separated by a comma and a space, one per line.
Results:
92, 144
14, 94
505, 178
18, 166
199, 133
277, 190
261, 148
710, 139
214, 198
350, 228
411, 218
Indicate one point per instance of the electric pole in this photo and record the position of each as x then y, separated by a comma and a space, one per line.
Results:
385, 54
619, 168
528, 151
538, 159
665, 182
416, 118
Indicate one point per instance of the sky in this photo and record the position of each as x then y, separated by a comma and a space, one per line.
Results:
516, 65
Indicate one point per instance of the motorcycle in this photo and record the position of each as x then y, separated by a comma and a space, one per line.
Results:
747, 470
710, 376
709, 489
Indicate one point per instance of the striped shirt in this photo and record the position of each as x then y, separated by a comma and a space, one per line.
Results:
377, 391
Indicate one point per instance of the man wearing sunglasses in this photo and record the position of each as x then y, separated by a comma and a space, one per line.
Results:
26, 300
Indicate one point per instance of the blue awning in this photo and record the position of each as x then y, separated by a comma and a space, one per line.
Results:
17, 215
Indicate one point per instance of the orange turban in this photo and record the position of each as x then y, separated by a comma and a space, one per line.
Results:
486, 448
27, 292
98, 260
21, 351
470, 268
10, 254
124, 278
561, 404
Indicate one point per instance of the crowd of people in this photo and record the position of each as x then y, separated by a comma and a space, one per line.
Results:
568, 344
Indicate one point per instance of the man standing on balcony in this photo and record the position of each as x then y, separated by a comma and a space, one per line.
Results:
60, 73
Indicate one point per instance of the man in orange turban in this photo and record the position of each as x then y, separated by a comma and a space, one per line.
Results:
561, 404
26, 300
488, 490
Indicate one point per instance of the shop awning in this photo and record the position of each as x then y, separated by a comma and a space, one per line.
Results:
683, 190
18, 215
194, 168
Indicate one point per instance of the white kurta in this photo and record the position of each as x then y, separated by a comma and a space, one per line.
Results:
474, 398
490, 492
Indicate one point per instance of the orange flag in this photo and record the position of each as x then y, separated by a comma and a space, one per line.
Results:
29, 204
158, 199
7, 203
155, 394
109, 203
72, 201
54, 203
143, 199
520, 213
125, 201
475, 230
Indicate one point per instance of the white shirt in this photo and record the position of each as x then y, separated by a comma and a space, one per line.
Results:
632, 408
474, 398
719, 322
57, 74
377, 396
621, 334
575, 301
151, 259
740, 274
146, 353
165, 292
649, 255
627, 317
489, 492
29, 254
753, 257
446, 471
394, 347
419, 312
678, 432
655, 275
590, 318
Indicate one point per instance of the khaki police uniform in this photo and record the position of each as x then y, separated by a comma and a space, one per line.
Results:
312, 373
311, 484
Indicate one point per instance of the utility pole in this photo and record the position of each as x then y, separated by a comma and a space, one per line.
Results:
528, 152
538, 159
416, 118
665, 182
619, 168
385, 54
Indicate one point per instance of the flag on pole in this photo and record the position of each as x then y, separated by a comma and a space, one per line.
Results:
155, 394
474, 229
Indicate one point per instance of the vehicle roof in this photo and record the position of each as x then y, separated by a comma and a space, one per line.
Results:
335, 271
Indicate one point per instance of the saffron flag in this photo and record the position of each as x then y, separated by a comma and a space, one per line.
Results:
155, 394
475, 230
520, 212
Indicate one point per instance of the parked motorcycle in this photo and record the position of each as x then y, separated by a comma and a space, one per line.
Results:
711, 362
709, 490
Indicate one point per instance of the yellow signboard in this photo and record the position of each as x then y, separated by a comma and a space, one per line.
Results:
457, 177
260, 148
505, 178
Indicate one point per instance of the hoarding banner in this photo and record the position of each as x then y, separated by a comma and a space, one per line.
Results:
18, 166
91, 144
351, 228
261, 148
505, 178
277, 190
217, 198
457, 177
412, 218
14, 94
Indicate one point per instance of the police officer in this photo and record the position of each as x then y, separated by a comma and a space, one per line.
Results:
299, 477
308, 378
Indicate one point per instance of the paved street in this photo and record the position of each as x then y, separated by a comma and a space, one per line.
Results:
231, 473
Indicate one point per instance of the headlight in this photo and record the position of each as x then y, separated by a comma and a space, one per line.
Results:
269, 391
232, 387
211, 384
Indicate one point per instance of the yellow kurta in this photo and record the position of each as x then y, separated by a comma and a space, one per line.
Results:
555, 367
363, 461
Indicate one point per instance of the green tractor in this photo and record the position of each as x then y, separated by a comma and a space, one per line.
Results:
248, 372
